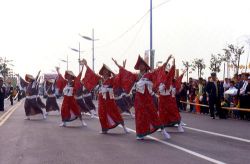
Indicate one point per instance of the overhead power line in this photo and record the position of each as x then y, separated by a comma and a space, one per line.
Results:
132, 26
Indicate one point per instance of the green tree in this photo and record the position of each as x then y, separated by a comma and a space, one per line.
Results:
186, 65
232, 54
4, 70
199, 65
215, 62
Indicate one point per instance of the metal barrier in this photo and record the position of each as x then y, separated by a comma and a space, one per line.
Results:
227, 108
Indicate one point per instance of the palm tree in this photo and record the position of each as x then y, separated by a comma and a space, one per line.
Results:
199, 65
186, 65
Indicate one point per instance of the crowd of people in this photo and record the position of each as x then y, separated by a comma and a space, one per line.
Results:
152, 93
234, 92
157, 96
9, 93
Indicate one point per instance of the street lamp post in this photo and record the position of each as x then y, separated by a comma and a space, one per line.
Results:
151, 36
93, 47
79, 51
67, 62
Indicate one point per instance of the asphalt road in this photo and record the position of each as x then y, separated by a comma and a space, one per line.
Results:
43, 142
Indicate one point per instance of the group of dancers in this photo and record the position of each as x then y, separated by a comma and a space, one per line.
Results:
154, 96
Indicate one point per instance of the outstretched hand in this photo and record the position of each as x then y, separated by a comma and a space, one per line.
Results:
169, 57
83, 62
115, 62
174, 61
57, 69
124, 63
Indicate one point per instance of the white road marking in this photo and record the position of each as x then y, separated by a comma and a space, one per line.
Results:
218, 134
182, 149
8, 111
6, 115
1, 118
178, 147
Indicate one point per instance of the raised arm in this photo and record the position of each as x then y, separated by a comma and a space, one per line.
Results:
58, 70
116, 63
60, 81
90, 79
173, 62
77, 83
38, 74
124, 63
168, 59
83, 62
179, 80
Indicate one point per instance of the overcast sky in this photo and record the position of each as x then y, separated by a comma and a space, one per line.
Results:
36, 34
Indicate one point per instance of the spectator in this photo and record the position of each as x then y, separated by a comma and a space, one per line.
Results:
230, 97
243, 95
213, 90
200, 87
183, 96
192, 95
226, 84
11, 94
247, 92
203, 98
2, 94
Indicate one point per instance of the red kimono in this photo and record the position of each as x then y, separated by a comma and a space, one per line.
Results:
146, 117
69, 109
108, 111
168, 110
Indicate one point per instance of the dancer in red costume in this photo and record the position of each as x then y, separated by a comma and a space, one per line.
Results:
168, 110
146, 118
108, 112
69, 110
79, 97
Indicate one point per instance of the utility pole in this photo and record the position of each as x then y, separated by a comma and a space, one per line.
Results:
79, 57
67, 62
93, 46
93, 50
151, 36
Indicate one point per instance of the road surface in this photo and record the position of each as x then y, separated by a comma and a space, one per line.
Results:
43, 142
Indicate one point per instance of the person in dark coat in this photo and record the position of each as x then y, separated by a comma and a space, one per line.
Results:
247, 92
214, 96
183, 96
11, 94
2, 94
243, 96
